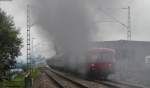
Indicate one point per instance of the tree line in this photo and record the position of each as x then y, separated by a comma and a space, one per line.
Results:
10, 43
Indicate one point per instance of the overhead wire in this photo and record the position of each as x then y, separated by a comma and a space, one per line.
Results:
112, 17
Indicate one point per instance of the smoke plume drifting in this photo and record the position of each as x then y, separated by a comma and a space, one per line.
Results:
67, 22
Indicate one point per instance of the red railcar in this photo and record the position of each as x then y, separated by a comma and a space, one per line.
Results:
100, 63
96, 63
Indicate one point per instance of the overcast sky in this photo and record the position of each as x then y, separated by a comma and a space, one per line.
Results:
17, 9
140, 19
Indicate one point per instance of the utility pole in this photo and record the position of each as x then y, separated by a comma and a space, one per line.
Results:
28, 40
129, 24
28, 77
29, 50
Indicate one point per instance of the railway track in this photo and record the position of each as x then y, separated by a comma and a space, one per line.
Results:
117, 84
62, 81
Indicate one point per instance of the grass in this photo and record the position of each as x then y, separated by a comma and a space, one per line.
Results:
17, 82
35, 73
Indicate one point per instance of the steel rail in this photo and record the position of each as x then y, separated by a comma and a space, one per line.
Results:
54, 80
64, 77
117, 84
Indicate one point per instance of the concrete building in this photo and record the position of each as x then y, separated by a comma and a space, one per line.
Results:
134, 51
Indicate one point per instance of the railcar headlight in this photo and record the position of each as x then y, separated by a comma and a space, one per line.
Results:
92, 65
110, 65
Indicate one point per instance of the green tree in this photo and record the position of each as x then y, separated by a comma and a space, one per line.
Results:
10, 43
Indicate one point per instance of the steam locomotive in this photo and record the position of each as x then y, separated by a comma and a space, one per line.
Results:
97, 63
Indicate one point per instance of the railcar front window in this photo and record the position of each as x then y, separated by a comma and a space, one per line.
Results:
105, 57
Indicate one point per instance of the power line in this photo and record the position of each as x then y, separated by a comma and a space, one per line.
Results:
5, 0
128, 26
130, 1
116, 20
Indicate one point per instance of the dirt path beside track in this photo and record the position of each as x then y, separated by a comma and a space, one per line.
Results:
42, 81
